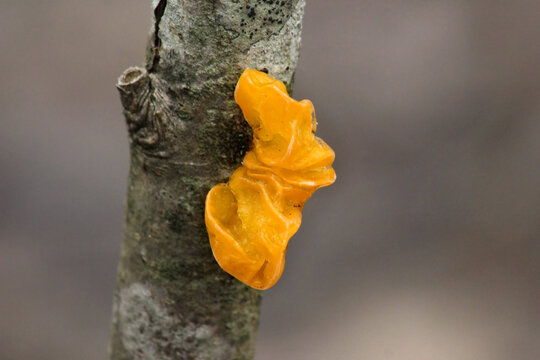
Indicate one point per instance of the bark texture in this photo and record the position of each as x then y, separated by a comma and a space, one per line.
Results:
186, 134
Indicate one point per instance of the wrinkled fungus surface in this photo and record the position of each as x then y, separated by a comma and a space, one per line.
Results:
251, 218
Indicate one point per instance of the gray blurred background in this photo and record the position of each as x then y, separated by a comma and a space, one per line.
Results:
426, 247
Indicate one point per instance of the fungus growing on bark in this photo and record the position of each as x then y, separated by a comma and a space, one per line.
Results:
251, 218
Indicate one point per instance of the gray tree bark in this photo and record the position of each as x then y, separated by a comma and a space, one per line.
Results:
187, 134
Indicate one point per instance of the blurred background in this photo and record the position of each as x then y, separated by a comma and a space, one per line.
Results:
426, 247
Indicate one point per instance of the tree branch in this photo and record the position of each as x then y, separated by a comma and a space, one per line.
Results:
186, 134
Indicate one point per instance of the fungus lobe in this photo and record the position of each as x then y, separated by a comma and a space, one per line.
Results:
251, 218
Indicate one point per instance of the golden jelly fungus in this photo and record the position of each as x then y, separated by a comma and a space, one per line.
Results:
251, 218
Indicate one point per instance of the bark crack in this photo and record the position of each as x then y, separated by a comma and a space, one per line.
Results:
159, 10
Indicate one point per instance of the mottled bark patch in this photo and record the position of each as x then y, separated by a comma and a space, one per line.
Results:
150, 332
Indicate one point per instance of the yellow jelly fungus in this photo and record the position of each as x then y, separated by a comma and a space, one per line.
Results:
251, 218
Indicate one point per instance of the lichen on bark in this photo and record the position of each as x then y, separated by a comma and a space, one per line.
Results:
186, 134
